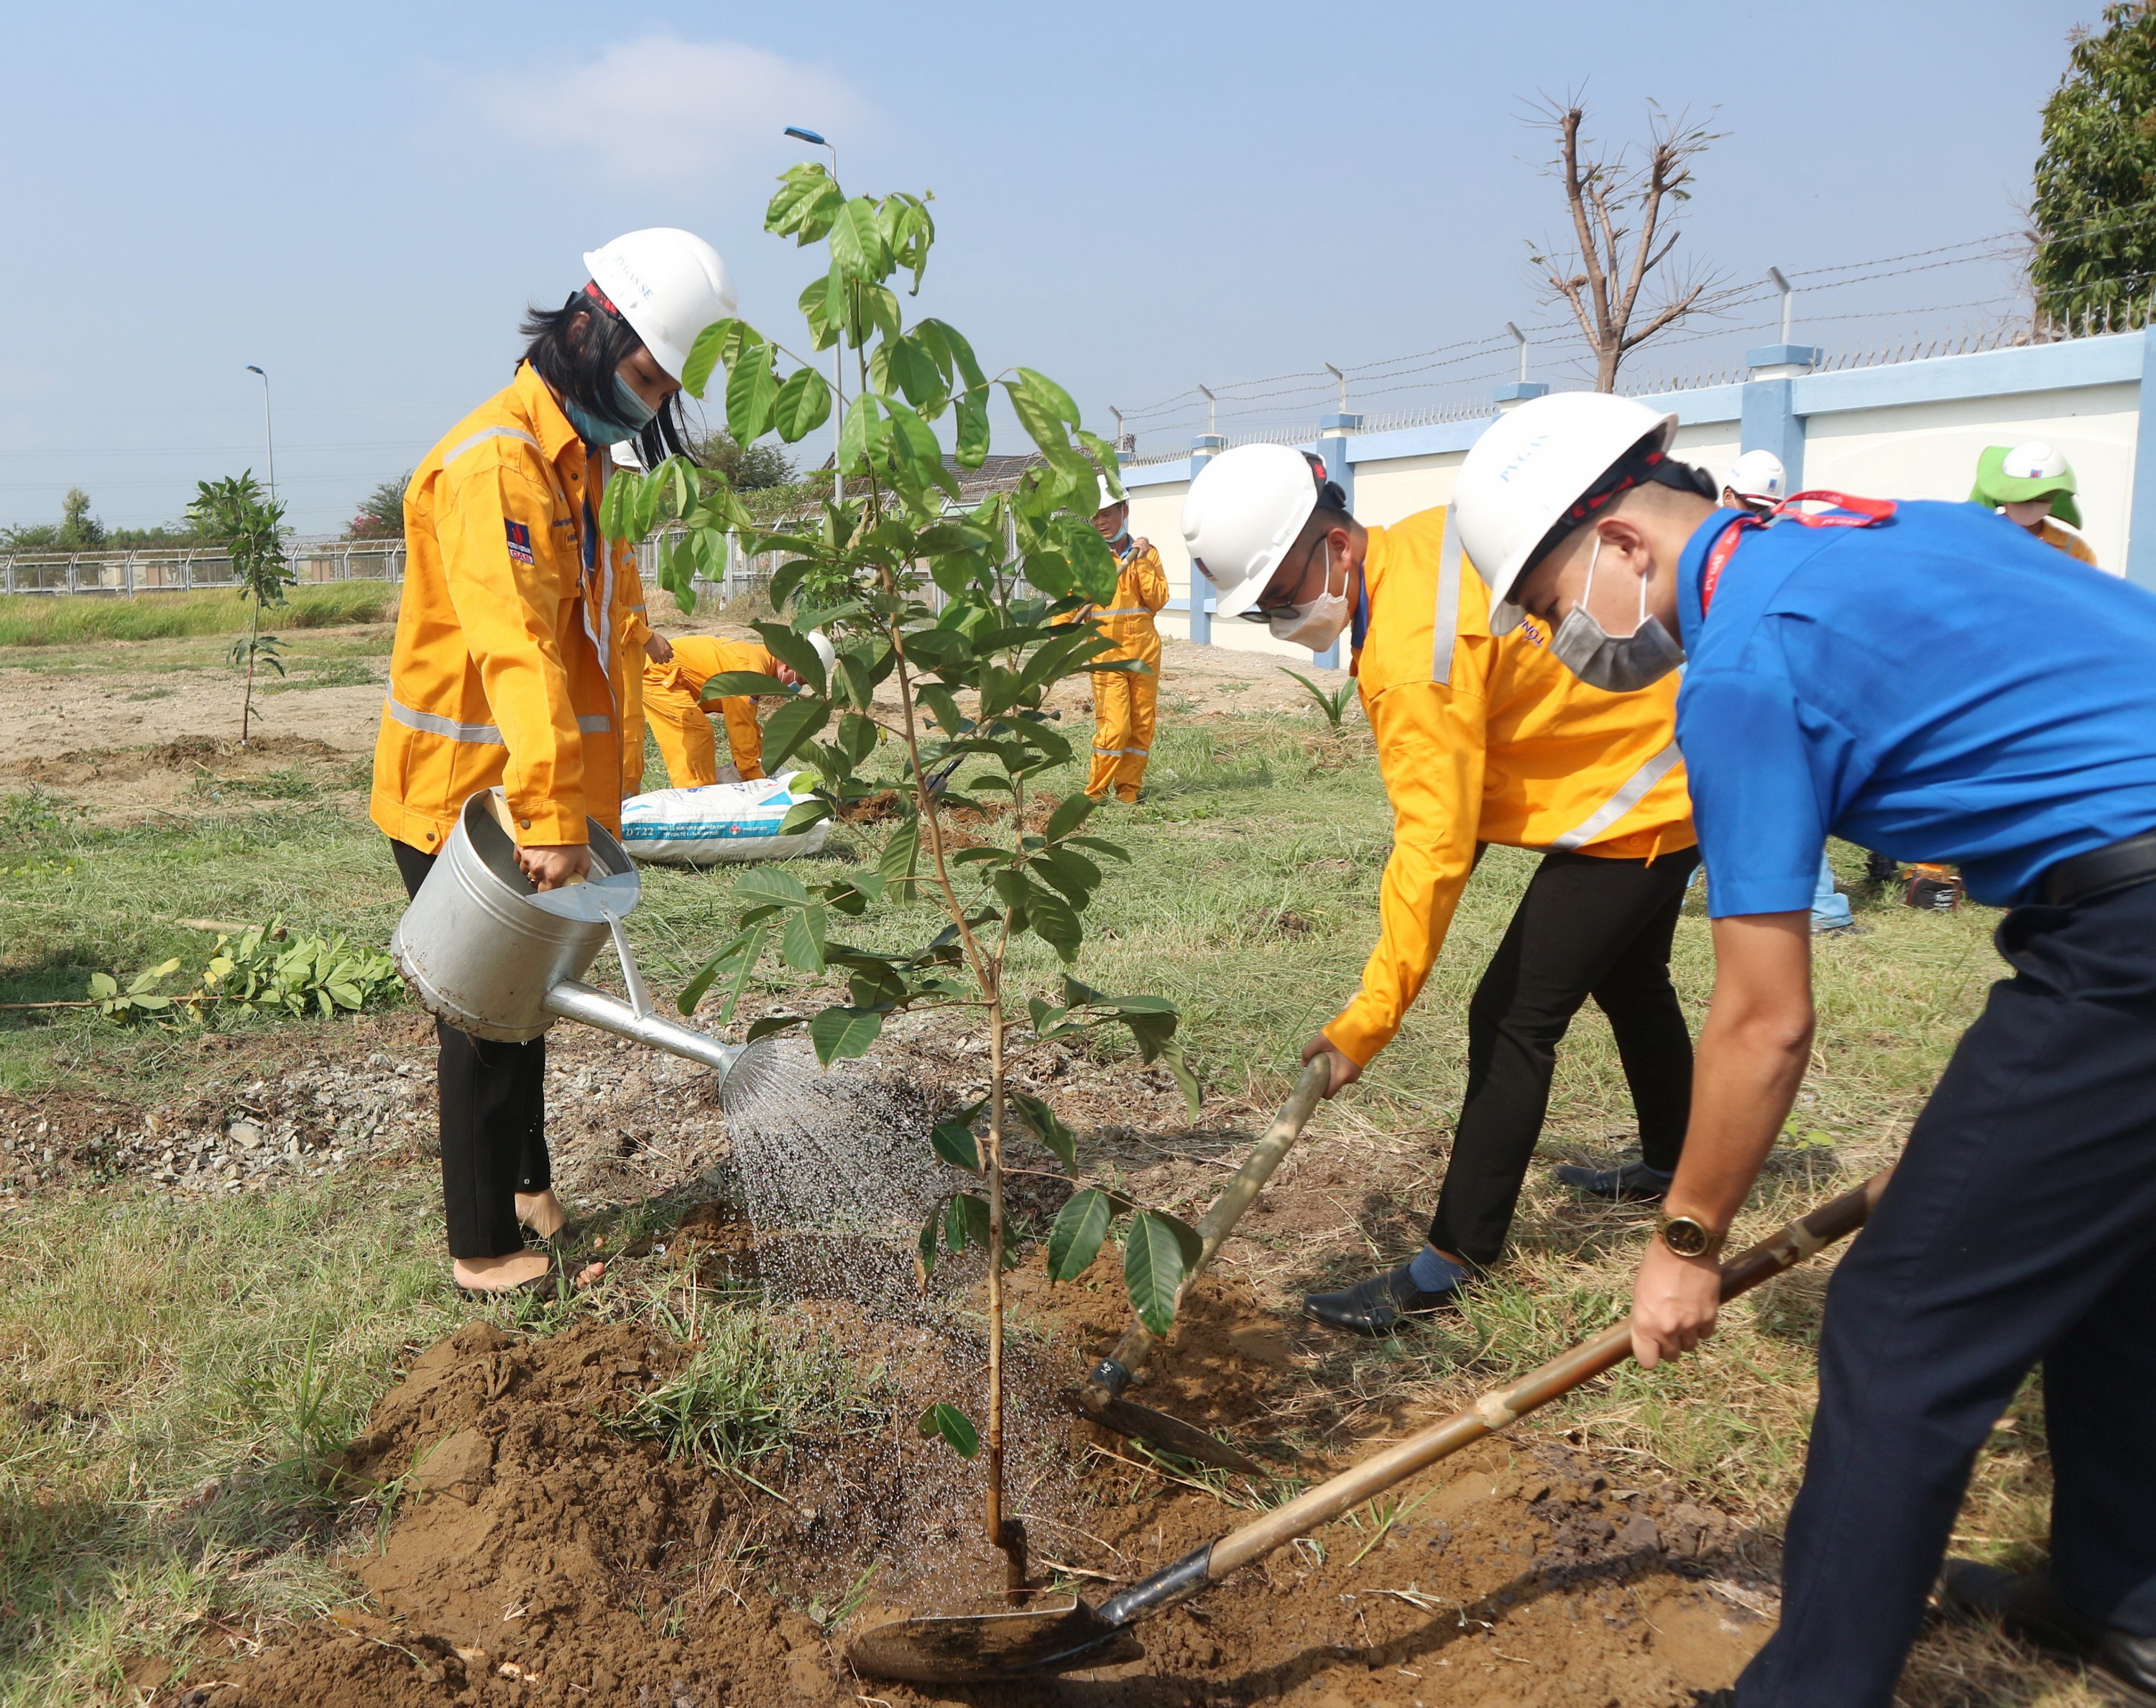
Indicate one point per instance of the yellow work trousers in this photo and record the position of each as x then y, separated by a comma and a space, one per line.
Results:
1123, 707
683, 731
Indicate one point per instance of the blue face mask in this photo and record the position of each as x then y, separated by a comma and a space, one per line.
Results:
631, 416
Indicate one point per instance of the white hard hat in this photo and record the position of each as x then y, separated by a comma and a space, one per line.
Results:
825, 650
1240, 515
1108, 497
1530, 467
2036, 460
668, 285
1758, 474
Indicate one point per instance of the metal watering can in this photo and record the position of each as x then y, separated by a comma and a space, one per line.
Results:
487, 953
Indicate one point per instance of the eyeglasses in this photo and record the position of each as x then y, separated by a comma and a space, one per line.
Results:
1267, 608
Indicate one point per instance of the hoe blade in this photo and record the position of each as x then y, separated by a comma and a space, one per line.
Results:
1128, 1418
963, 1649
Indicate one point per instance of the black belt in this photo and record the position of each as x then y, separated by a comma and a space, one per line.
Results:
2100, 871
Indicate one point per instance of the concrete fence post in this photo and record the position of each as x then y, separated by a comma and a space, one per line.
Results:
2141, 515
1769, 420
1332, 432
1203, 448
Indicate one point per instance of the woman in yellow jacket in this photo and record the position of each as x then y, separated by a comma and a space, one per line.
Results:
680, 719
510, 669
1125, 703
1480, 740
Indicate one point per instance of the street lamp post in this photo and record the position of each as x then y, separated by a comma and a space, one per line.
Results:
268, 430
838, 344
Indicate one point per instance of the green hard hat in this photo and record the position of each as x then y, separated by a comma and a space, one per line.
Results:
2014, 474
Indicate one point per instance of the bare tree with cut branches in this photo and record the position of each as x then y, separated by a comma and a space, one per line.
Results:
1624, 226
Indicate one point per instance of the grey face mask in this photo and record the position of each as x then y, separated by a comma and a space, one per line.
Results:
1620, 663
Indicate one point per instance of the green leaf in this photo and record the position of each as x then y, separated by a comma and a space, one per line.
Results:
1153, 1267
1073, 873
857, 243
789, 726
802, 945
803, 815
1053, 921
965, 1221
1075, 1240
1042, 407
771, 1024
953, 1426
840, 1034
954, 1142
901, 850
1070, 812
704, 357
925, 1248
1049, 1127
727, 684
764, 886
752, 394
104, 986
972, 416
803, 404
738, 957
796, 651
805, 205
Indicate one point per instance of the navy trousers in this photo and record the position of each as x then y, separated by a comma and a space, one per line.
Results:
2020, 1229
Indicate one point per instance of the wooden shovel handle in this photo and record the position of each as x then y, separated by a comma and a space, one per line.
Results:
1114, 1374
1491, 1412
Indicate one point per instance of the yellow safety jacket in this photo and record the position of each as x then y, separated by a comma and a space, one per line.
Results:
1483, 739
674, 692
635, 630
508, 666
1140, 590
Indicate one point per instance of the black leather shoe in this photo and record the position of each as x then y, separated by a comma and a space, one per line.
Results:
1380, 1305
1635, 1183
2028, 1608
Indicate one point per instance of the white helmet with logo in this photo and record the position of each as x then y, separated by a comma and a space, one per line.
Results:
1760, 475
1530, 467
668, 285
1240, 515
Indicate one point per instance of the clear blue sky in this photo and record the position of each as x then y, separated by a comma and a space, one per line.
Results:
1132, 199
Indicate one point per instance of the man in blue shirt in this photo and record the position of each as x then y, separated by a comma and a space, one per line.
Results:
2010, 728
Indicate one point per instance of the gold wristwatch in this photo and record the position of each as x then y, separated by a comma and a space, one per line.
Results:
1687, 1236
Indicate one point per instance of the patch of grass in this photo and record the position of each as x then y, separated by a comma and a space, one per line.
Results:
331, 673
753, 1386
172, 1373
35, 620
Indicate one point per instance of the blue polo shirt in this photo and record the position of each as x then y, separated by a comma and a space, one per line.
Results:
1938, 686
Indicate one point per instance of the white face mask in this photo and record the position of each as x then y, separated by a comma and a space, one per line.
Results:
1617, 663
1317, 624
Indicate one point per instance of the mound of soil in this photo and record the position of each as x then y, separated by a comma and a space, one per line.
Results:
536, 1549
190, 753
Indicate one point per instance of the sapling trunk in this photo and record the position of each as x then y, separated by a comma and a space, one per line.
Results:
1005, 1533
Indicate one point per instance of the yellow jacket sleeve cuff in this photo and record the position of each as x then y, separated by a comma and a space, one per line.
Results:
1359, 1034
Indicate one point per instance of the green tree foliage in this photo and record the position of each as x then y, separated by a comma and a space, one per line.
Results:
949, 699
747, 467
245, 520
79, 530
2095, 207
381, 514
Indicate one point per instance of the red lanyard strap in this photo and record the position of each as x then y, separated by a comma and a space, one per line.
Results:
1848, 512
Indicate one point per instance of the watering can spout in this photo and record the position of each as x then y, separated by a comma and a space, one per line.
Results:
570, 1000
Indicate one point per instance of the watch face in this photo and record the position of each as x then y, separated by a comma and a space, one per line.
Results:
1685, 1237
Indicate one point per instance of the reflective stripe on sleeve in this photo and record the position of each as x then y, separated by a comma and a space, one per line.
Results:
1122, 753
1634, 792
484, 434
1446, 622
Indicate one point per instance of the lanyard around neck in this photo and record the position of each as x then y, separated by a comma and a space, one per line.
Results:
1848, 512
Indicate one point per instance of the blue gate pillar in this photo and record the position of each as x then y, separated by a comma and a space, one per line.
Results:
1203, 448
1333, 450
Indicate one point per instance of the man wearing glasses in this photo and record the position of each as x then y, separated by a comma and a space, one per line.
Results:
1479, 739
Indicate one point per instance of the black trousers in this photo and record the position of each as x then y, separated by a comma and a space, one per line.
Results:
1587, 927
494, 1121
2020, 1229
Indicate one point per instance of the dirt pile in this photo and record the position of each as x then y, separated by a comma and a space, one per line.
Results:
536, 1546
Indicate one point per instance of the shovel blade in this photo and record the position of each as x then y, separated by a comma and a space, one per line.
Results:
970, 1649
1129, 1418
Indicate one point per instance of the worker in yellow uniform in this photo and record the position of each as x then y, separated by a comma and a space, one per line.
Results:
1125, 703
680, 719
509, 669
2032, 485
1480, 740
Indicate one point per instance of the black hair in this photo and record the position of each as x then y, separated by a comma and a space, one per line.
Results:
1644, 464
579, 363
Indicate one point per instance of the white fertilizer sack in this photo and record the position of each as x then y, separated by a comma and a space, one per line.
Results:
720, 821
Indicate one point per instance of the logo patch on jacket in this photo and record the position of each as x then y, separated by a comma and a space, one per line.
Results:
520, 542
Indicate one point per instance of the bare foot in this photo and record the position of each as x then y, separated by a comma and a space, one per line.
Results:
500, 1274
541, 1211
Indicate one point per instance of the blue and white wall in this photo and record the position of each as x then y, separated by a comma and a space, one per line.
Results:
1909, 430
